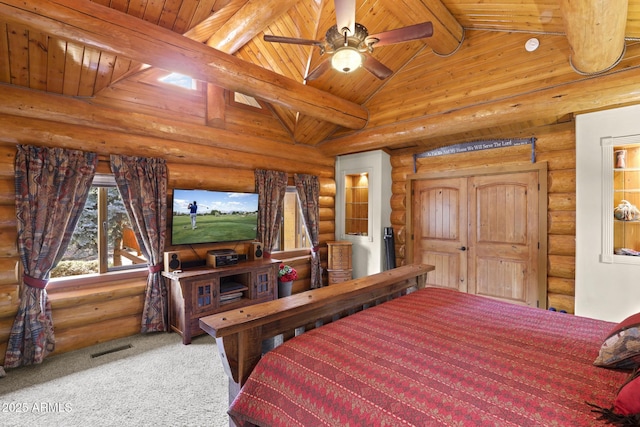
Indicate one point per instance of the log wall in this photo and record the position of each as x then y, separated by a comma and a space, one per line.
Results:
556, 146
95, 311
99, 312
9, 294
91, 313
199, 156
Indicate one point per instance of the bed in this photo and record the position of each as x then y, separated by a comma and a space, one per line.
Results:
431, 357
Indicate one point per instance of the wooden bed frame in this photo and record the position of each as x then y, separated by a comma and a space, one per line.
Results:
240, 333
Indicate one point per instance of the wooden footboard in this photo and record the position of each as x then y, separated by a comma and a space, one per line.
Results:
240, 333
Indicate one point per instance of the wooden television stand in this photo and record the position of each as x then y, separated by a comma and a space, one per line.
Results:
200, 292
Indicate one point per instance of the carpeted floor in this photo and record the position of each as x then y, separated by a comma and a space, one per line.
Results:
149, 380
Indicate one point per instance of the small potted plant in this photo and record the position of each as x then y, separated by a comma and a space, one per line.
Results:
286, 276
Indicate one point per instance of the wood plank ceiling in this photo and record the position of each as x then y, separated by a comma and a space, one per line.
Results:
62, 55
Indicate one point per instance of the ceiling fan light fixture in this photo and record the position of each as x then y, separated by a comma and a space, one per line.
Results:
346, 59
351, 46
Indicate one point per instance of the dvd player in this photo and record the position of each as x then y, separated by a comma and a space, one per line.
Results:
222, 257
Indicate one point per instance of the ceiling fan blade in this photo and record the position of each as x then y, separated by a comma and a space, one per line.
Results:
399, 35
376, 67
319, 70
291, 40
346, 15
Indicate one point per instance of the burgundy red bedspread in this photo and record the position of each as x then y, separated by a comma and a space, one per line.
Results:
434, 357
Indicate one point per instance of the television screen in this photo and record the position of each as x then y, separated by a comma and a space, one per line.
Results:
204, 216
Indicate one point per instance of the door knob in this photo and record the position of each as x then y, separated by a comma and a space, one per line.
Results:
464, 248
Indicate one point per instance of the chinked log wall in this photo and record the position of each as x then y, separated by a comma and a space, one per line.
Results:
556, 146
112, 309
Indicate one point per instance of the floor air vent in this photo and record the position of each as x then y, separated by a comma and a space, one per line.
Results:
112, 350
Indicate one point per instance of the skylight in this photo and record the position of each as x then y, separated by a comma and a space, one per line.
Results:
179, 80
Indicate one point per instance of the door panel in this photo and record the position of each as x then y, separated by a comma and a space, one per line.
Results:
500, 278
440, 224
503, 236
480, 232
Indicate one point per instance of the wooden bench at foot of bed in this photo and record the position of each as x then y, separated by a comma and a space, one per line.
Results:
240, 333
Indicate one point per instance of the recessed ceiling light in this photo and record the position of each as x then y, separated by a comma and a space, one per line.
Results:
531, 44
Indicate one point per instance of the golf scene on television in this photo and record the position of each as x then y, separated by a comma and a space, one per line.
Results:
204, 216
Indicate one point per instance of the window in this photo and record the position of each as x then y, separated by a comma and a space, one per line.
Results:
246, 102
179, 80
94, 249
293, 234
240, 98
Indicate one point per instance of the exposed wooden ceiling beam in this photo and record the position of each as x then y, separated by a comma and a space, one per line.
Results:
205, 29
614, 89
247, 23
595, 30
243, 25
113, 31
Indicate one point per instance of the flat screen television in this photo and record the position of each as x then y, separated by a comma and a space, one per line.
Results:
220, 216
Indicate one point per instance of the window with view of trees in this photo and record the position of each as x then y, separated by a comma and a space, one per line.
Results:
99, 249
293, 234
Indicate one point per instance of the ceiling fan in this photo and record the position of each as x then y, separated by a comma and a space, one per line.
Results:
350, 44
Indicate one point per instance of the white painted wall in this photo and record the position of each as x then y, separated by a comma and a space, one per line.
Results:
368, 256
604, 290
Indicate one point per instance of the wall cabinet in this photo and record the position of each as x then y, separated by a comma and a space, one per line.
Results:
200, 292
356, 204
339, 261
626, 199
620, 200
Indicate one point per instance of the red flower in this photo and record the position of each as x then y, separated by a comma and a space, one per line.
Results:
287, 273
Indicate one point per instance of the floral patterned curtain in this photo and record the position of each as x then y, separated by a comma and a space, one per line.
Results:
271, 187
143, 186
308, 188
52, 185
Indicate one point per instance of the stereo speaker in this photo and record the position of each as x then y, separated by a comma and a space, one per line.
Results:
172, 262
256, 250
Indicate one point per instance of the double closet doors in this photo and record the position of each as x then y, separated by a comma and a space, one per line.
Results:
484, 233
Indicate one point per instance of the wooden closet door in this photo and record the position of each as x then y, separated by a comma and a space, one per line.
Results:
503, 236
440, 230
482, 233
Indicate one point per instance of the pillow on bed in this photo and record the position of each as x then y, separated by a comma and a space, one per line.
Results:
626, 407
621, 348
628, 400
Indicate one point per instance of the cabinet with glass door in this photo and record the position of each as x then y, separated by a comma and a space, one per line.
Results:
626, 199
356, 204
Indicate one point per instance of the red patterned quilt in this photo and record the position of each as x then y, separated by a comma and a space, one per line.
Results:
434, 357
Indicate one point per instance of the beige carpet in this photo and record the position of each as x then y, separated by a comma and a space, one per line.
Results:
150, 380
